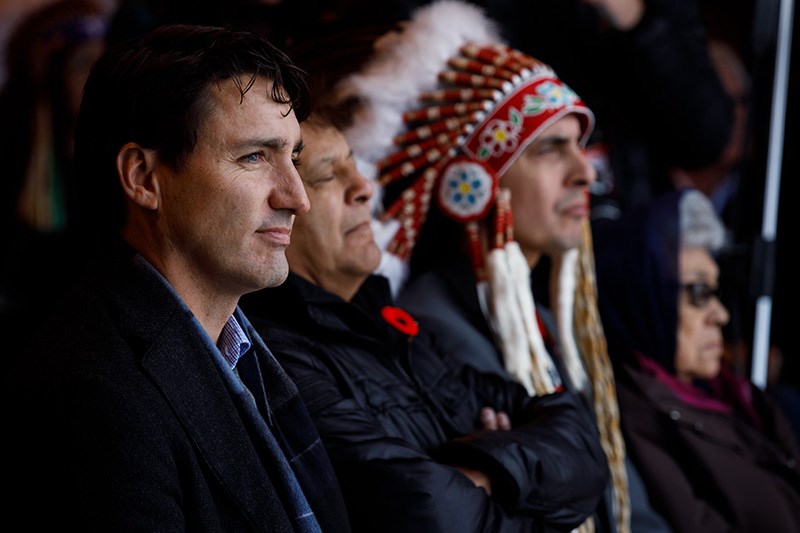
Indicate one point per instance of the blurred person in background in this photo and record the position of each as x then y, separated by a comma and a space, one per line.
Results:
715, 452
49, 55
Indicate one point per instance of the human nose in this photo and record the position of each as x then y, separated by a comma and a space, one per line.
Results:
290, 193
583, 172
360, 189
719, 312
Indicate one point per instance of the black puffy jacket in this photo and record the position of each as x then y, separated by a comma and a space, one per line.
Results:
394, 412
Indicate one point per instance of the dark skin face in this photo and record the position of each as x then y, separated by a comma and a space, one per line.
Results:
699, 345
549, 184
333, 245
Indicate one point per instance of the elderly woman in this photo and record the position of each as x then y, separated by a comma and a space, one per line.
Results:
715, 454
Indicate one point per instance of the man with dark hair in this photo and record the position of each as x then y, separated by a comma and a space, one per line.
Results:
147, 402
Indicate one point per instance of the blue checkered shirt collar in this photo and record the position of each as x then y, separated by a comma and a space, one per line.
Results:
233, 341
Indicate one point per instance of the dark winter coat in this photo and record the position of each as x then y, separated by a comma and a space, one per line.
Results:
445, 299
708, 470
126, 423
716, 455
394, 411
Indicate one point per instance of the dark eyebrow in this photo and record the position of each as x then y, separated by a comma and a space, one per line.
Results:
550, 140
334, 158
554, 139
274, 143
700, 276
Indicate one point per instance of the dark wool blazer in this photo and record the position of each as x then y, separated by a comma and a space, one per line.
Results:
122, 421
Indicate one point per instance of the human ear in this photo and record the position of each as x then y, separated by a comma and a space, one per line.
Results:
135, 167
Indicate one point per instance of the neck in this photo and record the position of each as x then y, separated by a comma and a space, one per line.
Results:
211, 305
345, 286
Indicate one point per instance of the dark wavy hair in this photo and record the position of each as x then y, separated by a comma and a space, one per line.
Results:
153, 90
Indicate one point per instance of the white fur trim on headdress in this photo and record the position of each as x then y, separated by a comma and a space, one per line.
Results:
510, 309
506, 321
521, 276
565, 306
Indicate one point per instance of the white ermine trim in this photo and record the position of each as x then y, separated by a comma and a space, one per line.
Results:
565, 304
521, 278
506, 320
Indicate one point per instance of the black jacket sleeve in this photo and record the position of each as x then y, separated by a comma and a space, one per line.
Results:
392, 485
550, 464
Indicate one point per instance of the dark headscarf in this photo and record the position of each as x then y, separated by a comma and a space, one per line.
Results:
637, 277
636, 261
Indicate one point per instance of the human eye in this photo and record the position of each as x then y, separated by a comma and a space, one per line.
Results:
322, 180
252, 158
297, 154
541, 148
546, 149
700, 293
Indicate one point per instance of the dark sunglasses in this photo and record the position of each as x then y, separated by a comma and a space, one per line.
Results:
700, 293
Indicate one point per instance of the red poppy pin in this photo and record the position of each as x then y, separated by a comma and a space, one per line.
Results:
400, 320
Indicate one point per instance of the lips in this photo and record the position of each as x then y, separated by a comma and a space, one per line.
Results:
277, 234
574, 204
577, 209
366, 225
715, 346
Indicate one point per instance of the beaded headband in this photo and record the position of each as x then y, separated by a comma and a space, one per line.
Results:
490, 102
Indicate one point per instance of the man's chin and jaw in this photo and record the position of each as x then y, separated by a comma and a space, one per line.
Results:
569, 235
360, 253
554, 242
266, 270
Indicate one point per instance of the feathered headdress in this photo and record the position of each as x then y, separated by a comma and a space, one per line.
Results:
445, 108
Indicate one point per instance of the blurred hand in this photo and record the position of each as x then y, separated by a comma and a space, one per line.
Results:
477, 477
493, 420
621, 14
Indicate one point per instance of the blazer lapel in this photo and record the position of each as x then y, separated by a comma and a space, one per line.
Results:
182, 367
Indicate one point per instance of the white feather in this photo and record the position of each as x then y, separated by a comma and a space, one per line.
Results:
564, 317
520, 273
507, 321
404, 65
